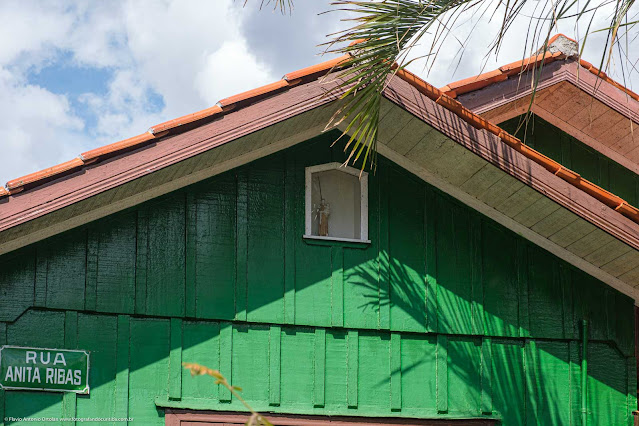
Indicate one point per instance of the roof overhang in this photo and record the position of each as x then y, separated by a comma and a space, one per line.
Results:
468, 162
587, 107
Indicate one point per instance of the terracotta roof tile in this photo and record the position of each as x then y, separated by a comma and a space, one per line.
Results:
116, 147
186, 119
431, 92
236, 101
314, 70
502, 73
44, 174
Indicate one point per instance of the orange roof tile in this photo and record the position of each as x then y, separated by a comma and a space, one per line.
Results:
253, 94
441, 97
136, 141
44, 174
322, 68
502, 73
186, 119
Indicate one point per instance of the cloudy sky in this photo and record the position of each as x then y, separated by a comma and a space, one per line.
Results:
75, 75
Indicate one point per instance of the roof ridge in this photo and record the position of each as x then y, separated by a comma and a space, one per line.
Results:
556, 50
439, 96
570, 176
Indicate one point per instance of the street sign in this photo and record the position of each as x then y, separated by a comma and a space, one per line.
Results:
57, 370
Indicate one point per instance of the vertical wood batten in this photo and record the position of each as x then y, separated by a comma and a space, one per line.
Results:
631, 367
574, 369
442, 373
122, 367
3, 341
530, 371
289, 239
175, 360
486, 376
396, 371
319, 384
337, 279
352, 361
69, 399
141, 260
40, 294
567, 301
92, 269
191, 255
431, 262
275, 364
242, 246
383, 256
226, 357
476, 275
522, 280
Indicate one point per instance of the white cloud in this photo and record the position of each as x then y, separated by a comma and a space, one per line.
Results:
191, 54
215, 82
188, 54
36, 127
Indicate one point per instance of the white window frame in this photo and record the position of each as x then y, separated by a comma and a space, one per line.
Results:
363, 184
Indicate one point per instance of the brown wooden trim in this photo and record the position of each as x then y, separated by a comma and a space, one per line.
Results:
124, 168
177, 417
493, 150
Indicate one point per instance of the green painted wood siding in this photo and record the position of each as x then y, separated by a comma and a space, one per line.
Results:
574, 154
444, 314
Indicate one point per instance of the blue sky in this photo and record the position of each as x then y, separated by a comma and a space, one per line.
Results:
76, 75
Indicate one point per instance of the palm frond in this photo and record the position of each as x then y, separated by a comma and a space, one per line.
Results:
383, 33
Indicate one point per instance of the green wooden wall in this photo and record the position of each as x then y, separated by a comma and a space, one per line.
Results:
574, 154
444, 314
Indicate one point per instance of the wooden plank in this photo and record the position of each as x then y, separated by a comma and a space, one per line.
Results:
319, 382
486, 376
396, 371
537, 211
554, 222
122, 368
519, 201
608, 253
442, 373
69, 399
175, 360
482, 180
165, 290
92, 270
476, 275
337, 279
501, 190
571, 233
226, 357
290, 212
622, 264
391, 126
383, 255
631, 366
242, 246
522, 281
590, 242
191, 255
410, 136
275, 364
42, 255
431, 260
141, 260
565, 281
352, 361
